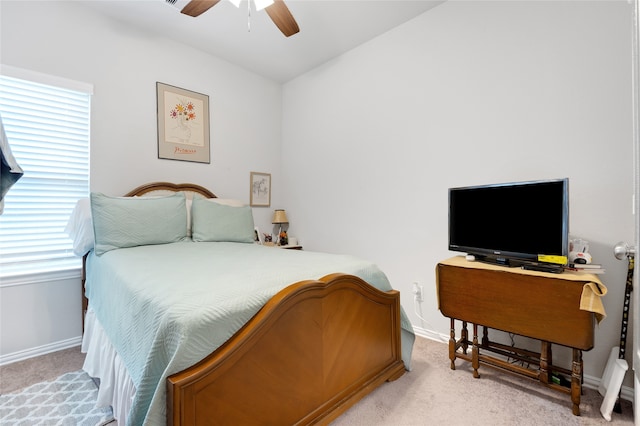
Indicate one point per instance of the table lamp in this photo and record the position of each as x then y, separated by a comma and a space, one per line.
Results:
279, 217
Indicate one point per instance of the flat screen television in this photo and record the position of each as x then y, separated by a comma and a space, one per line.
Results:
510, 223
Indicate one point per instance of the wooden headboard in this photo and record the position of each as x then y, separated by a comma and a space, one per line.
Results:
160, 187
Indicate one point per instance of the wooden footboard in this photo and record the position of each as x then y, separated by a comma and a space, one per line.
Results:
310, 353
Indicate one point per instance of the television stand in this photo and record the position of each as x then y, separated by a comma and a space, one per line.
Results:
538, 305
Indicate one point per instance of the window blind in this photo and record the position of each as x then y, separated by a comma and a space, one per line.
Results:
48, 130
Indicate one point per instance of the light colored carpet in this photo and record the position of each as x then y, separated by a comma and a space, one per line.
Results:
431, 394
44, 368
68, 400
436, 395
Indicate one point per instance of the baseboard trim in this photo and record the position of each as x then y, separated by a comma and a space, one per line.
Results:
591, 382
40, 350
431, 335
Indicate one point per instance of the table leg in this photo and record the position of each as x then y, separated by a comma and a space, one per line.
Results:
545, 362
452, 344
464, 336
475, 354
581, 372
576, 381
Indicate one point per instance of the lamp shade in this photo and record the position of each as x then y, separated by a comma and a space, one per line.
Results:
279, 216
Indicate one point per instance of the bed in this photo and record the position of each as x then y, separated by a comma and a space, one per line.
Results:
211, 328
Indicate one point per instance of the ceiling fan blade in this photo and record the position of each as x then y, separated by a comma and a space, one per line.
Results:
280, 15
197, 7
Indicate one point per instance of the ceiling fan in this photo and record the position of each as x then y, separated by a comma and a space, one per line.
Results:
277, 11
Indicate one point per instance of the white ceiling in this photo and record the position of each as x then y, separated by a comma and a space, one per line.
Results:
328, 28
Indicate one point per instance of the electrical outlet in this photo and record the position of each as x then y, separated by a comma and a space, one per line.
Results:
417, 291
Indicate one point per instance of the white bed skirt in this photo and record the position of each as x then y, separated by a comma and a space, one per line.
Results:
102, 362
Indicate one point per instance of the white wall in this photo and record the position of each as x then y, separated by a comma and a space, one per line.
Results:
467, 93
39, 315
68, 40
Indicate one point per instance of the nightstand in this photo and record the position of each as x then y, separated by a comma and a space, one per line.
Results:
290, 247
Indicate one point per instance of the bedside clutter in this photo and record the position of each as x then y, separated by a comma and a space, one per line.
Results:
292, 244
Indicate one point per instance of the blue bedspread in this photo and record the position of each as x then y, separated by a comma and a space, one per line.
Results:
165, 318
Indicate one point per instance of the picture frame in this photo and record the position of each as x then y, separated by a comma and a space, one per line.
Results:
259, 237
260, 189
183, 124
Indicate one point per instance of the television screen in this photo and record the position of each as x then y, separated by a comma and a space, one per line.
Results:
509, 221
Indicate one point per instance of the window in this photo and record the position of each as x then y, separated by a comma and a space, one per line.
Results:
48, 130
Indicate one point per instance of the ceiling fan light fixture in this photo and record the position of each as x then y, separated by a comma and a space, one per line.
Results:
261, 4
276, 9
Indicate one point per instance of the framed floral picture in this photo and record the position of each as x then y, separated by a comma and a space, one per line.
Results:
183, 124
260, 189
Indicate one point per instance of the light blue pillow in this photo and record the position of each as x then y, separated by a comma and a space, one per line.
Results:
211, 221
120, 222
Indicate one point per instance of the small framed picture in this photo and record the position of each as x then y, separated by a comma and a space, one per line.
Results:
259, 238
260, 189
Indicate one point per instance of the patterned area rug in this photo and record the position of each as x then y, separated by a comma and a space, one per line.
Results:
69, 400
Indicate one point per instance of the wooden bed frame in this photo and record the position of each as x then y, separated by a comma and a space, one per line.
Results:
313, 351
